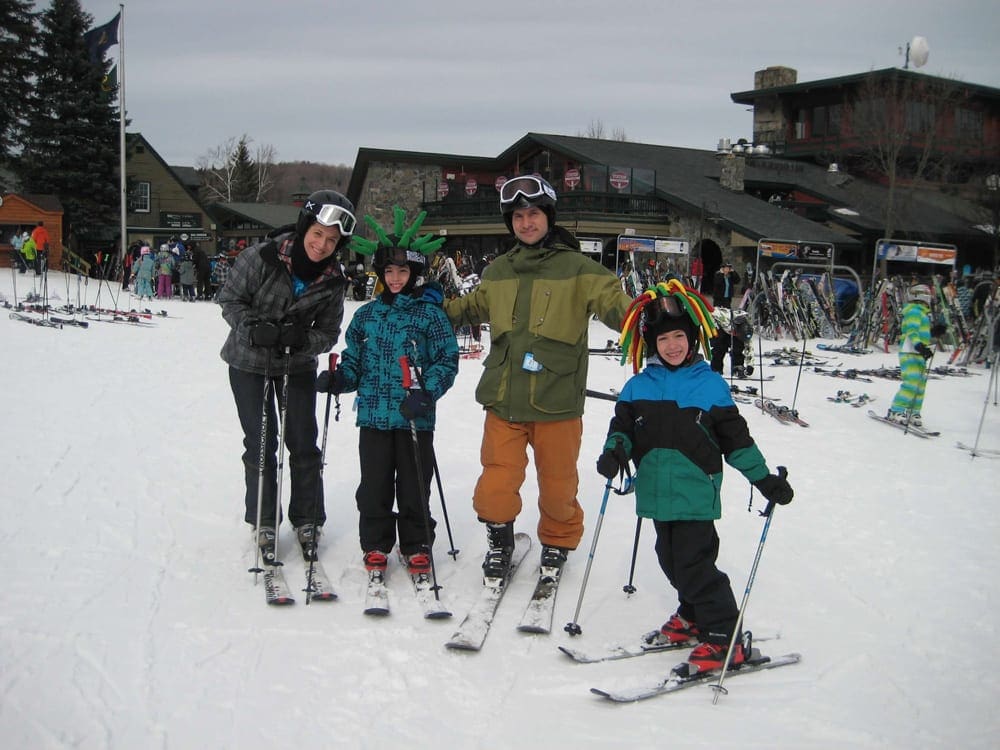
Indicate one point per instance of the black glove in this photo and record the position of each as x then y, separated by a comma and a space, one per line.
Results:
417, 404
938, 329
265, 334
293, 334
923, 350
613, 461
331, 382
775, 488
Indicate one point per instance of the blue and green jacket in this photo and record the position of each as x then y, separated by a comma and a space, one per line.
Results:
677, 426
377, 336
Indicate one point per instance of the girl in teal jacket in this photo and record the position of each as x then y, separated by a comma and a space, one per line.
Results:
405, 320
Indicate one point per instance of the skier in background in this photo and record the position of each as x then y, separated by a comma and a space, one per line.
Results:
914, 354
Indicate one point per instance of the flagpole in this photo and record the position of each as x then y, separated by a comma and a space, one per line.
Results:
123, 197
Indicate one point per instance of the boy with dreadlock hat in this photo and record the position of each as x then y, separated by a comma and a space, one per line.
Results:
676, 421
405, 320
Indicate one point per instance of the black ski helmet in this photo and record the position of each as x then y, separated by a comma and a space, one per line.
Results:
329, 208
526, 191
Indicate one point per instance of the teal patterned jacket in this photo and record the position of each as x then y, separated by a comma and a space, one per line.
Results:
381, 333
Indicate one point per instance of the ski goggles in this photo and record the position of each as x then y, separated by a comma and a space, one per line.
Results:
663, 308
331, 215
397, 256
528, 187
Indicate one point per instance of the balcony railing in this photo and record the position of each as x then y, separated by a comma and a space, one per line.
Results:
570, 203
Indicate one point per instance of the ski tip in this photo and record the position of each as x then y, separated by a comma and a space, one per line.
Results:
281, 601
461, 646
377, 612
325, 596
536, 629
438, 615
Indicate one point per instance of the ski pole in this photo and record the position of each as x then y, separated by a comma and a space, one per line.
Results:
802, 359
444, 509
628, 588
425, 501
437, 472
768, 513
281, 449
332, 364
261, 464
573, 627
986, 401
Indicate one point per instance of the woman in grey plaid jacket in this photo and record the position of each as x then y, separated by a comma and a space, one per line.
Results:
284, 303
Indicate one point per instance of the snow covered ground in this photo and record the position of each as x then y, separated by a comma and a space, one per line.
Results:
128, 620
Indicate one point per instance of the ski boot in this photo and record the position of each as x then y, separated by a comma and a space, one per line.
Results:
308, 535
500, 537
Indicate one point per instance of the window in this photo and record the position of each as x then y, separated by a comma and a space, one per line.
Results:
968, 124
819, 121
138, 198
826, 120
919, 117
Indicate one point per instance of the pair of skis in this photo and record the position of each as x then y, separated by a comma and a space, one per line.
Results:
537, 617
783, 414
317, 584
680, 677
907, 428
377, 595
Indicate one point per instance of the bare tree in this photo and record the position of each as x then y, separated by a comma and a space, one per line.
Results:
597, 130
263, 157
905, 123
229, 173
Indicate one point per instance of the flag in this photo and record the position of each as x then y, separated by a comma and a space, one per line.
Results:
100, 38
110, 81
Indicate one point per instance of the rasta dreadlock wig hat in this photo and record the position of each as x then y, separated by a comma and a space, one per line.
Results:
665, 307
401, 248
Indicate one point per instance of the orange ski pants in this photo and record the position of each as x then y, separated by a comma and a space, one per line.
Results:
504, 456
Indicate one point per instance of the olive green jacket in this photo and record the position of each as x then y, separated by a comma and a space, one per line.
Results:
538, 301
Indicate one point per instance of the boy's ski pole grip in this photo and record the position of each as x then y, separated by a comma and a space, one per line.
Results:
332, 362
404, 363
782, 472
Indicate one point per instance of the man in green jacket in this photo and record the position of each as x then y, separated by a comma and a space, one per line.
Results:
538, 299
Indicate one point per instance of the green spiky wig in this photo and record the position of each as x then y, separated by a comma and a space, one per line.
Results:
402, 237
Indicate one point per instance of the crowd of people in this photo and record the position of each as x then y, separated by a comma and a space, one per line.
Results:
174, 270
284, 303
31, 249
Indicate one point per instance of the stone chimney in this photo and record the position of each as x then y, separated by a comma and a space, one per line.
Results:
769, 123
732, 169
774, 76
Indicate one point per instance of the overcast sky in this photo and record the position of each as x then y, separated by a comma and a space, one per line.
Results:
319, 79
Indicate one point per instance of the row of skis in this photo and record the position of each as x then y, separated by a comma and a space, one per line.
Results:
536, 618
36, 312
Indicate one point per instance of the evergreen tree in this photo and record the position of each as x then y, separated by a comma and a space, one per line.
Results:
71, 146
244, 173
17, 50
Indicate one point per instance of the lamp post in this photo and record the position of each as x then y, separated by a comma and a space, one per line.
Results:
993, 185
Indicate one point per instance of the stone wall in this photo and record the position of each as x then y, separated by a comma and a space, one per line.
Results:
394, 184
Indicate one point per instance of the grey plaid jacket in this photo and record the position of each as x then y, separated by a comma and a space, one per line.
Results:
259, 288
